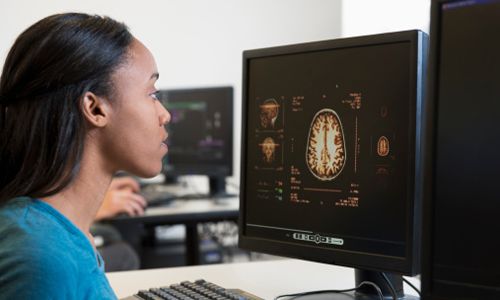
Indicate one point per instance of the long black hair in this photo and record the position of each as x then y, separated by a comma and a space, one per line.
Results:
47, 71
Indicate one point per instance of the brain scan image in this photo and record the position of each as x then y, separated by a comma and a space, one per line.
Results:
325, 151
268, 147
383, 146
269, 111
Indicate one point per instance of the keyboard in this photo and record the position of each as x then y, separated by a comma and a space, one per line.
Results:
157, 195
197, 290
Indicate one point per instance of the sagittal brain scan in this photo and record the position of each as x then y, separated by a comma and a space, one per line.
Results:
269, 111
326, 153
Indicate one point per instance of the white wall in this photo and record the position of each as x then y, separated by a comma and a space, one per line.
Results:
199, 43
195, 42
362, 17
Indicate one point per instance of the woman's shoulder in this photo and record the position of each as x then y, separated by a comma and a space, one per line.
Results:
15, 207
31, 259
31, 230
33, 214
15, 223
24, 216
30, 266
36, 274
28, 239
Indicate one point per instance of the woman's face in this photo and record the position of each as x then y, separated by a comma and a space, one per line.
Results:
135, 136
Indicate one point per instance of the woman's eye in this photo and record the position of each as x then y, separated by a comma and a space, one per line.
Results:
156, 95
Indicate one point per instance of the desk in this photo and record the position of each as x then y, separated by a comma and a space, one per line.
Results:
187, 212
266, 279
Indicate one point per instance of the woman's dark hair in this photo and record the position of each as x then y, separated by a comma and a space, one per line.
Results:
47, 71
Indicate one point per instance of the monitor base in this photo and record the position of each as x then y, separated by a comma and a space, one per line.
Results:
217, 185
349, 296
171, 180
367, 291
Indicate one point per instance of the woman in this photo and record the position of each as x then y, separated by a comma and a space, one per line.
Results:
77, 104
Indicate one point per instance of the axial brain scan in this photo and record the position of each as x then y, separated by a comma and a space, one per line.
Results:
326, 154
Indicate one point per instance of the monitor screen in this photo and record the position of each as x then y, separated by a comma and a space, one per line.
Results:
462, 246
200, 131
330, 151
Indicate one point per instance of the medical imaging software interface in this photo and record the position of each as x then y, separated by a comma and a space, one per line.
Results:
329, 140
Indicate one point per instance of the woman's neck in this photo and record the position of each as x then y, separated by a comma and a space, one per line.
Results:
81, 200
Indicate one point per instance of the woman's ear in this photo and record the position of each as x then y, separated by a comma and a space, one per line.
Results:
96, 110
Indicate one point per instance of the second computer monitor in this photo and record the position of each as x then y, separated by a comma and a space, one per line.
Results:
330, 160
200, 134
461, 236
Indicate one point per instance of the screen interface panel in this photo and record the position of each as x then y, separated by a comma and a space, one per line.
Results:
329, 148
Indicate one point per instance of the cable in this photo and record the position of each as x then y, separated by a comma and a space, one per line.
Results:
412, 286
313, 292
376, 287
390, 286
293, 296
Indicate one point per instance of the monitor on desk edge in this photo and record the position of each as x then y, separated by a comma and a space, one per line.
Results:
461, 247
200, 134
331, 154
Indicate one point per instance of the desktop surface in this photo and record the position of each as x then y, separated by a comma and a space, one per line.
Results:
265, 279
194, 209
182, 210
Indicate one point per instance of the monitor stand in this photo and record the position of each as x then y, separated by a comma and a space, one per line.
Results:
171, 180
366, 292
217, 185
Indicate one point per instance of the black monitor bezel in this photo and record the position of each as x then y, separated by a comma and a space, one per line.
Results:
410, 265
196, 168
429, 284
427, 211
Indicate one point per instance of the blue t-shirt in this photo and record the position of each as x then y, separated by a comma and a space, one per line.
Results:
45, 256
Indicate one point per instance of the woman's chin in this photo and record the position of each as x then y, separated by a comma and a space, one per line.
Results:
147, 173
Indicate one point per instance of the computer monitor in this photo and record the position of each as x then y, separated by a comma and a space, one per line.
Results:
200, 134
331, 154
461, 252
